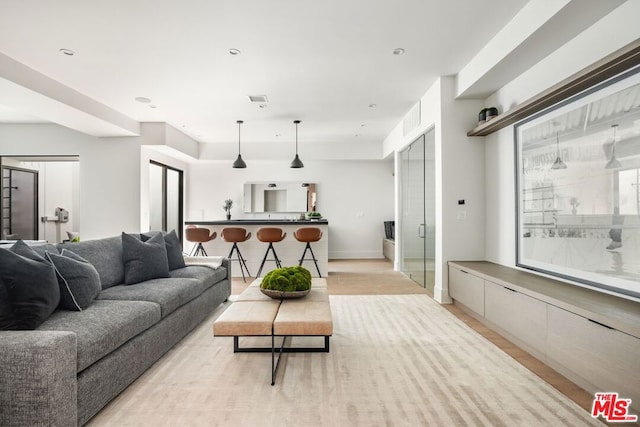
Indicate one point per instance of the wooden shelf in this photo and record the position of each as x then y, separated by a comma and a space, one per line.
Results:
609, 66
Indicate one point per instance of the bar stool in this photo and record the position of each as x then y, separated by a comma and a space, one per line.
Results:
270, 235
308, 235
237, 235
198, 236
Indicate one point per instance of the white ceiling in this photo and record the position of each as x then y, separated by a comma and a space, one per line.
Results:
323, 62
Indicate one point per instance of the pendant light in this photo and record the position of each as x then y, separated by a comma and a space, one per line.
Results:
297, 163
239, 163
558, 164
613, 163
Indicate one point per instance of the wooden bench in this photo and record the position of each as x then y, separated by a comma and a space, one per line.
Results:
255, 314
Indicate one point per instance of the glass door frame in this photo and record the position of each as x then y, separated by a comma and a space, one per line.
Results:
408, 229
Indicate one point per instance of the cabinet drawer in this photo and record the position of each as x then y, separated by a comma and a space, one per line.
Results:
522, 317
607, 359
467, 289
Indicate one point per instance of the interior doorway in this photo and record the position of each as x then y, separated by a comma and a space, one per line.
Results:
417, 164
19, 203
165, 198
40, 197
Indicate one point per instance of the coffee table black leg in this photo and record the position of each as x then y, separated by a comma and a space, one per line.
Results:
275, 363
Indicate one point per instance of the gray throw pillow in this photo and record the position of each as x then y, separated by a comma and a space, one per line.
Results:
79, 280
144, 260
173, 246
29, 283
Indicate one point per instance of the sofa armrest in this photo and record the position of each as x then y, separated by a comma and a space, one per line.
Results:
226, 263
38, 381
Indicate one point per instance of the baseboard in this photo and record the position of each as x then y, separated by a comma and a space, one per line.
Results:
356, 254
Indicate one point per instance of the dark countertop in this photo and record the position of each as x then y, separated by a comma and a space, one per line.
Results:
257, 221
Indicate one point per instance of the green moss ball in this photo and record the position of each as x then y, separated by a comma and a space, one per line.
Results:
287, 279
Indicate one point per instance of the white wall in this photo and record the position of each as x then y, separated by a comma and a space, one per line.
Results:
109, 173
612, 32
356, 197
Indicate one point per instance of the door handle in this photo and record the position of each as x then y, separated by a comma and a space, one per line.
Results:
421, 231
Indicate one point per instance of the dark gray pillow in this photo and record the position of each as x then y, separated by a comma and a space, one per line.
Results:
173, 246
144, 260
79, 280
30, 285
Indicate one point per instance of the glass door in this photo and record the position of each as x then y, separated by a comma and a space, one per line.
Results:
418, 210
165, 198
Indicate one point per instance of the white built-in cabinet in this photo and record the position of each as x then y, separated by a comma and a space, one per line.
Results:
590, 337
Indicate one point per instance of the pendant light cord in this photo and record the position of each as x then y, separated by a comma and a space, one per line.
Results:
239, 125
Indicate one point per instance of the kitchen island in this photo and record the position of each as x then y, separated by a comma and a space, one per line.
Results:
289, 250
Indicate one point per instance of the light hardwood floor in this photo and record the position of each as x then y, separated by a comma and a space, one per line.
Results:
377, 277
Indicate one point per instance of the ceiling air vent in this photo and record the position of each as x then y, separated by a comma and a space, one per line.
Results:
260, 99
412, 119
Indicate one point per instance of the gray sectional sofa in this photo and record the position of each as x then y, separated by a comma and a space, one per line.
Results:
68, 368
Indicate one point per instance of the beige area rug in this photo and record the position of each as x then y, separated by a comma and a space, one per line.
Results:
395, 360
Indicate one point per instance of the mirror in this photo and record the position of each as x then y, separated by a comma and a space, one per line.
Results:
279, 196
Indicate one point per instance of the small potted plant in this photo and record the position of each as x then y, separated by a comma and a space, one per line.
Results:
314, 215
228, 204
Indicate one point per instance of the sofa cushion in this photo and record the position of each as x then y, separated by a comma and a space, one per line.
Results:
44, 248
173, 246
79, 280
30, 285
207, 276
144, 260
104, 326
169, 293
104, 254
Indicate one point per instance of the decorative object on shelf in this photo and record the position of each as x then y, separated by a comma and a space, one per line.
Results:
228, 204
239, 163
558, 164
286, 282
297, 163
482, 116
613, 163
314, 215
491, 113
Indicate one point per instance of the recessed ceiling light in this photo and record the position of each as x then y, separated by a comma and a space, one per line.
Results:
398, 51
372, 105
142, 99
67, 52
234, 52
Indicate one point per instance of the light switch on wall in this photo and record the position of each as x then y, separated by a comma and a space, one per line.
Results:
462, 215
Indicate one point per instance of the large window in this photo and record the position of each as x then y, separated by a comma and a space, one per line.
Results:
578, 187
165, 198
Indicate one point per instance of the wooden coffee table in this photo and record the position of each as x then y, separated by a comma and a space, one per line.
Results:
255, 314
